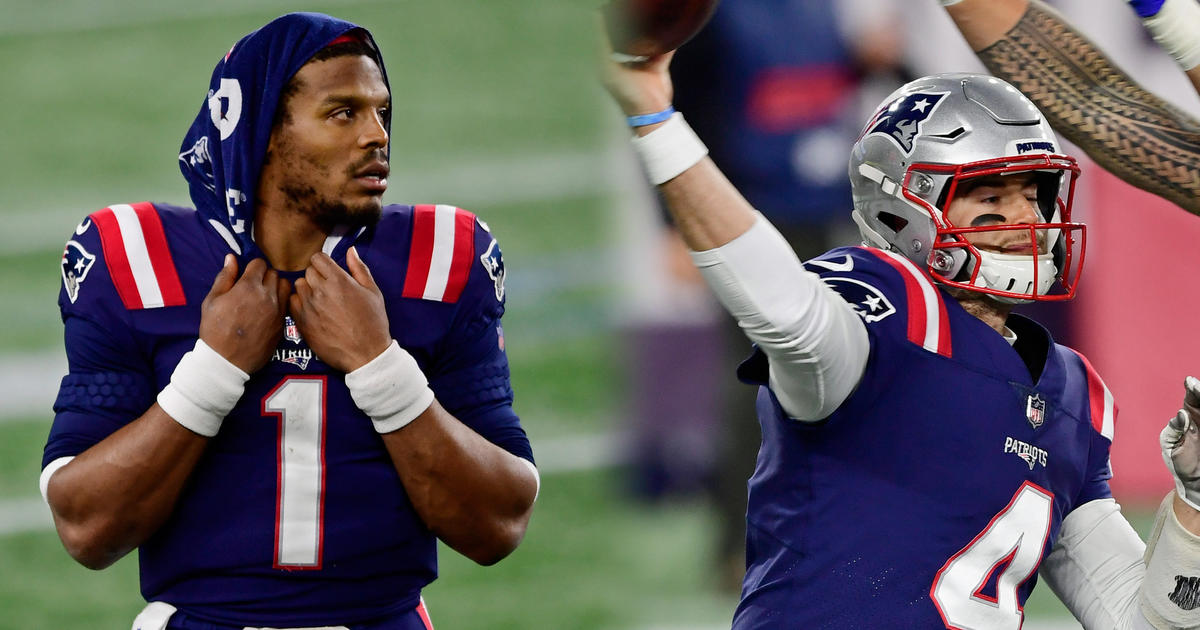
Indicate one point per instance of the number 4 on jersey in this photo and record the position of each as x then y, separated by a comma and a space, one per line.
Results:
1015, 537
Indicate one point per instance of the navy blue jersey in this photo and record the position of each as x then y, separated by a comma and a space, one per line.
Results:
295, 516
930, 496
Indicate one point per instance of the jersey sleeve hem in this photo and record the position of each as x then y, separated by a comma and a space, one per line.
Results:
48, 472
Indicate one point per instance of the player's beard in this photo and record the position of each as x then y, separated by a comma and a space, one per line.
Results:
327, 214
324, 212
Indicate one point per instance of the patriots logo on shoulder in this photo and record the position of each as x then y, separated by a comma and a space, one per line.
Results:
870, 303
76, 262
494, 264
901, 120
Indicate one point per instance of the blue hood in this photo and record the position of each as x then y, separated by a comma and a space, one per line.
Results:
223, 151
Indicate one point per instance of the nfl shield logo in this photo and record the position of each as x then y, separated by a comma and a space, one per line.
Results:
290, 332
1035, 410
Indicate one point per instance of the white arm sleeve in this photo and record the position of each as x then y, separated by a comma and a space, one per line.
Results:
1096, 567
816, 345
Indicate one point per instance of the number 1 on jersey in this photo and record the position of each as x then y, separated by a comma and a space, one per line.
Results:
299, 403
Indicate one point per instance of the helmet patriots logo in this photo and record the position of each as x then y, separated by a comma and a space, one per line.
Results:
901, 120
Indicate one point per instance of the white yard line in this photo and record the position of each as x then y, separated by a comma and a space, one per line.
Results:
473, 183
29, 383
24, 515
568, 454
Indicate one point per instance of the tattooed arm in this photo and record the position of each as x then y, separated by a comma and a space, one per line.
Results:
1130, 132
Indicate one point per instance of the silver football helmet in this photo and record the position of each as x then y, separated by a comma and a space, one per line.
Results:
926, 139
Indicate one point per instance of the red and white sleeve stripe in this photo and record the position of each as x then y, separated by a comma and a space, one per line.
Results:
439, 261
137, 255
928, 323
1103, 405
423, 612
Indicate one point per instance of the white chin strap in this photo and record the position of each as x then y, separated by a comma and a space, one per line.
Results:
1014, 273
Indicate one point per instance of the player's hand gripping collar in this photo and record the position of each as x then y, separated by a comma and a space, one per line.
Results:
1180, 441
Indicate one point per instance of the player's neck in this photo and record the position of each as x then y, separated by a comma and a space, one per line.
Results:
989, 311
286, 238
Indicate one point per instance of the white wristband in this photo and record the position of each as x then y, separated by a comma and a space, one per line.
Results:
203, 389
1176, 28
669, 150
947, 3
391, 389
1170, 593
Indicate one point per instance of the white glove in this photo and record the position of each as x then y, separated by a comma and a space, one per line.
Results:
1180, 442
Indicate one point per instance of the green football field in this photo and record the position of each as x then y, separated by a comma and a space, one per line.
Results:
495, 110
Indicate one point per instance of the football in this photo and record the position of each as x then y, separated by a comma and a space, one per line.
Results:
646, 28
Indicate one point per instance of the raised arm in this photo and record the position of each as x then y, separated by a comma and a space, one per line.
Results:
707, 209
1132, 133
816, 345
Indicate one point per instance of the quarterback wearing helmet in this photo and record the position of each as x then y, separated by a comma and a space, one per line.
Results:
927, 454
910, 164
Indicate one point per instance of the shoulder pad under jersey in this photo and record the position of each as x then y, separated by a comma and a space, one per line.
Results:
126, 242
886, 289
1102, 406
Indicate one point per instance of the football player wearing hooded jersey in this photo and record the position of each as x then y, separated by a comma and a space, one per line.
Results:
284, 397
926, 452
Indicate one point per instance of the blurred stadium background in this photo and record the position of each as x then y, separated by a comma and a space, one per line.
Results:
496, 110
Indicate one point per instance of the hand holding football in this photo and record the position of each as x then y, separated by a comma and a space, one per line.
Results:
648, 28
